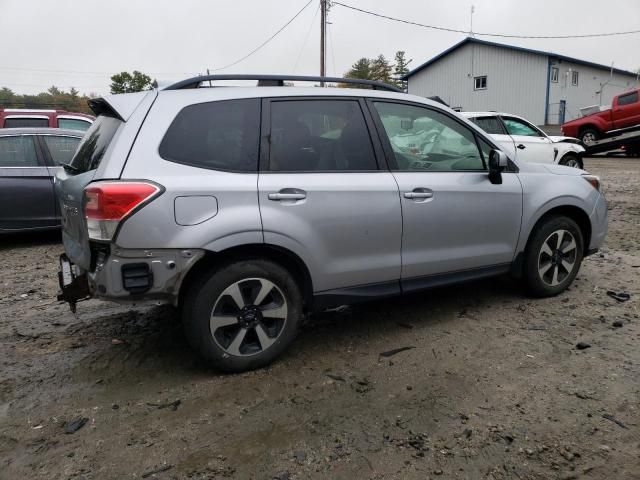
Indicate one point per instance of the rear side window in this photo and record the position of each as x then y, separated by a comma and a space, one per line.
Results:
490, 125
319, 135
25, 122
628, 99
18, 151
73, 124
94, 143
61, 149
216, 135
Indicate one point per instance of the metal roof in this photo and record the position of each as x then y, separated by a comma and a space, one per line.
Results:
469, 40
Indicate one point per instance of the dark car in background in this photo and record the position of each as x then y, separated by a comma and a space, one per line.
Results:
29, 160
34, 118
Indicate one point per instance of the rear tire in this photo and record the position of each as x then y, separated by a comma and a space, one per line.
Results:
589, 135
571, 160
243, 315
553, 256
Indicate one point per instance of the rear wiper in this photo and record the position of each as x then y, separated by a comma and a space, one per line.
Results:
70, 168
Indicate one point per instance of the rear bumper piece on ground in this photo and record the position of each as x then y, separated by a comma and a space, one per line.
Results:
127, 275
598, 219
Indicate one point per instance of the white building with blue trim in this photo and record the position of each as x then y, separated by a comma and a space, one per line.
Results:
544, 87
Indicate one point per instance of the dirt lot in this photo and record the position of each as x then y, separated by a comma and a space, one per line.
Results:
493, 387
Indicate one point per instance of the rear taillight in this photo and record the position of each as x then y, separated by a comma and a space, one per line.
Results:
108, 203
593, 180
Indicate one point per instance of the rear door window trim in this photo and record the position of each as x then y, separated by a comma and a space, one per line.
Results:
265, 139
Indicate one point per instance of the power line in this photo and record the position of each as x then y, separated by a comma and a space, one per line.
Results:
266, 41
502, 35
306, 39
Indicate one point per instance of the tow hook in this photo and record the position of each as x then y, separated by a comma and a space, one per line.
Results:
74, 288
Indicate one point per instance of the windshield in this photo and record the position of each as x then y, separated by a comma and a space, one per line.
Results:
94, 144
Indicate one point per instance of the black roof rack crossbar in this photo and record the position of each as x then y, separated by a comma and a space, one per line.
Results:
278, 80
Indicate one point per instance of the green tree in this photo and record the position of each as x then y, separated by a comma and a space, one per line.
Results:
360, 70
381, 69
400, 69
125, 82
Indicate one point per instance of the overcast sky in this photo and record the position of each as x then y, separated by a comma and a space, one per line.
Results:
82, 42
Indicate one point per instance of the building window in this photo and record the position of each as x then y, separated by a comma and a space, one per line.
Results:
554, 74
574, 78
480, 83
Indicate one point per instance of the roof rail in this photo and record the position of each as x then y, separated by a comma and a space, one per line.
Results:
278, 80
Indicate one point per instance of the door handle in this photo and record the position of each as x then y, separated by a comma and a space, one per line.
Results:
419, 194
283, 195
521, 147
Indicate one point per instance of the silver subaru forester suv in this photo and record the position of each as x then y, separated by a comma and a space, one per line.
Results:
249, 207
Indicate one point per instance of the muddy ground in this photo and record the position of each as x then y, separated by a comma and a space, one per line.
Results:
493, 388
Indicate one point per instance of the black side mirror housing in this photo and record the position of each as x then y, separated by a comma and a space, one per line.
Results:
498, 161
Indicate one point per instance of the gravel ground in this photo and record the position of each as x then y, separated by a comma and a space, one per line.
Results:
493, 386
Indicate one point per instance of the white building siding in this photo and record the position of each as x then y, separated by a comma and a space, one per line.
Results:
590, 82
516, 81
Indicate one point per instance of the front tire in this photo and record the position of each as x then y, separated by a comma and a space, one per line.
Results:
243, 315
571, 160
553, 256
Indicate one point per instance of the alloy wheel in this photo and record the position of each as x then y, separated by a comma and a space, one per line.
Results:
557, 257
588, 138
572, 162
248, 317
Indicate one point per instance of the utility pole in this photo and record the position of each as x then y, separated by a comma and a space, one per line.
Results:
473, 10
323, 27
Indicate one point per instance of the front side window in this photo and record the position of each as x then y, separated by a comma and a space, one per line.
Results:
61, 149
427, 140
490, 125
554, 74
22, 122
319, 135
574, 78
480, 83
18, 151
73, 124
628, 99
215, 135
518, 127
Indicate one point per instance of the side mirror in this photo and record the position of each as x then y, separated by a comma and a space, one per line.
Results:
498, 161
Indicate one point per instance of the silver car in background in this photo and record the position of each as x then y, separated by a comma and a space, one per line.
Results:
249, 207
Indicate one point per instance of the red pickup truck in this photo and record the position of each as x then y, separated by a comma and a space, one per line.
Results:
624, 112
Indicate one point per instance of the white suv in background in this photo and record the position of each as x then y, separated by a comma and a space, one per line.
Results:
525, 142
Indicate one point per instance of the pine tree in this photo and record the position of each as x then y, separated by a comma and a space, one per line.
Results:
381, 69
400, 69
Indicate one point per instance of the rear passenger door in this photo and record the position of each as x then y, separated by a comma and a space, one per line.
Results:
494, 127
58, 150
324, 196
26, 187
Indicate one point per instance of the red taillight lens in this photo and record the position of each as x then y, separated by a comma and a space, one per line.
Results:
108, 203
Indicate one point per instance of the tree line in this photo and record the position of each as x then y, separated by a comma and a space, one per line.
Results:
381, 69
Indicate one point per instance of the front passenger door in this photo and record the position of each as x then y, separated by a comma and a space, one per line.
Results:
532, 145
454, 219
